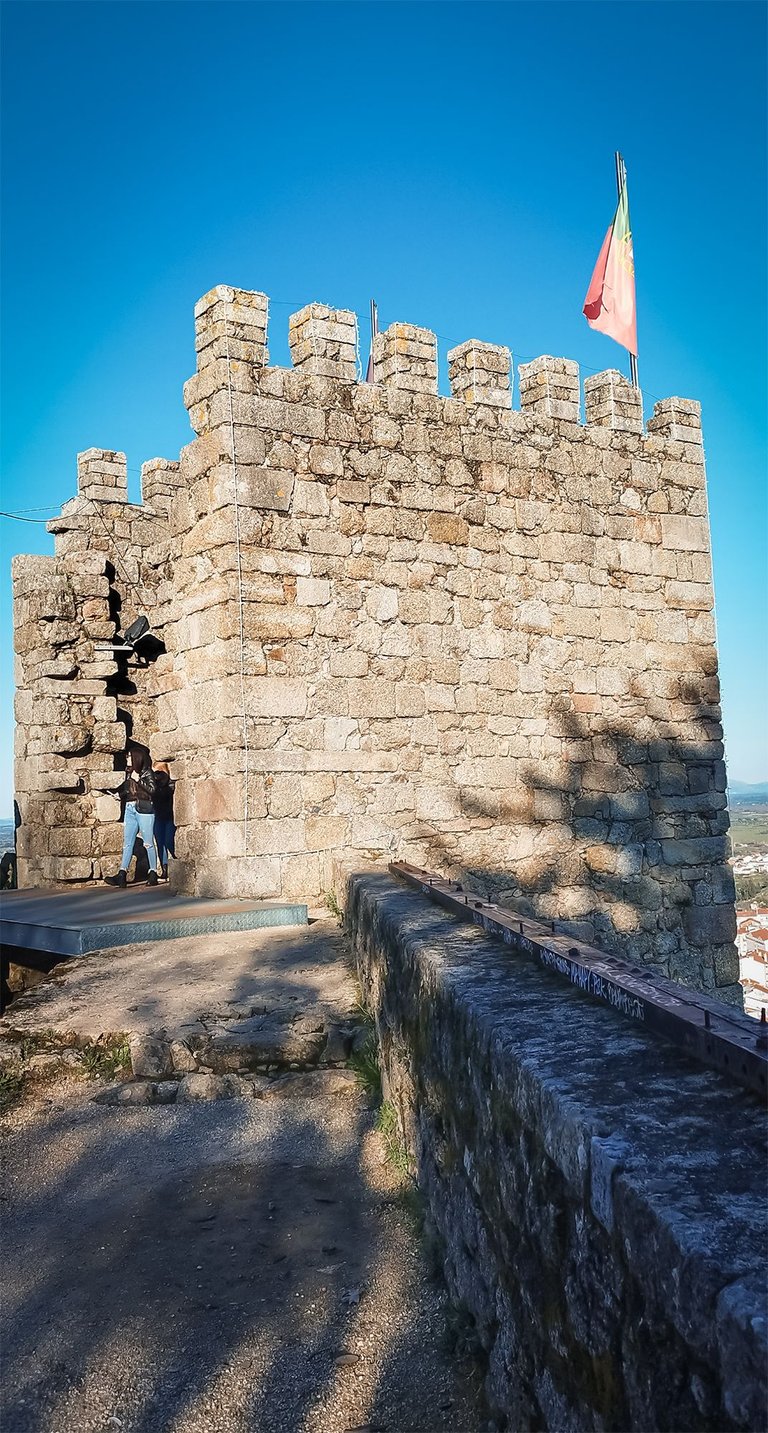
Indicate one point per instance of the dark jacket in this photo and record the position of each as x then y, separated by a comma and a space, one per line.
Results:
162, 800
140, 787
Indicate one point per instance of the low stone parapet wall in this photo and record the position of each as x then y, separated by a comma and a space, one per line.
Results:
599, 1199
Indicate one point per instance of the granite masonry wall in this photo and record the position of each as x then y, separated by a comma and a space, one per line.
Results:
77, 698
595, 1199
399, 624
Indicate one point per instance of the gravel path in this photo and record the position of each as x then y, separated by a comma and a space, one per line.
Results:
235, 1267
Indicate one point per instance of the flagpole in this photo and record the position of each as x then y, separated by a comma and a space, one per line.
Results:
621, 179
374, 331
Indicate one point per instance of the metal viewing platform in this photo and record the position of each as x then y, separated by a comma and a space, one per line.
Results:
72, 923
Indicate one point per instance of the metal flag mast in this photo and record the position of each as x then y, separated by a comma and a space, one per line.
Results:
370, 376
621, 179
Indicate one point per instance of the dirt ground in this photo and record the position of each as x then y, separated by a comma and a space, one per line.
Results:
232, 1266
171, 983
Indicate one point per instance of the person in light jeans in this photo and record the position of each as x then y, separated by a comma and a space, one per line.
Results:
139, 818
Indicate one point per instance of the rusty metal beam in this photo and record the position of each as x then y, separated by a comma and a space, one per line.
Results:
711, 1032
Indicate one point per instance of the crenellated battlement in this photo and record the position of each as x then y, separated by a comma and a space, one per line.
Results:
480, 373
323, 342
231, 324
160, 481
102, 476
231, 334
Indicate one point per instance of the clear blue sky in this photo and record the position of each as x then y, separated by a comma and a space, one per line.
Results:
455, 161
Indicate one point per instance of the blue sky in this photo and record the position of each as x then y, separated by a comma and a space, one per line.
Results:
454, 161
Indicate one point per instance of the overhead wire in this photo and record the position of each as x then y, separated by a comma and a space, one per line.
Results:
120, 569
19, 517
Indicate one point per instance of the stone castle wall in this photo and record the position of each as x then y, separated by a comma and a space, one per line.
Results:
77, 701
605, 1238
438, 629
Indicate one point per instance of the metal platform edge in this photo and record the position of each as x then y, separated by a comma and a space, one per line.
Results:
45, 939
84, 940
711, 1032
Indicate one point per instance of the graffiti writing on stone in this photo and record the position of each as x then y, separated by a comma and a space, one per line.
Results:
590, 981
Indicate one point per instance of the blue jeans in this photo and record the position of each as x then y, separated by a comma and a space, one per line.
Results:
164, 834
136, 824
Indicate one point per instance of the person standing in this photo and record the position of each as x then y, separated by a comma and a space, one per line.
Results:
165, 830
139, 820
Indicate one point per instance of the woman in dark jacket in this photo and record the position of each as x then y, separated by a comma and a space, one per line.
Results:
162, 801
138, 791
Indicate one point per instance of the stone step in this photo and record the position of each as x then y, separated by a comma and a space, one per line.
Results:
266, 1042
272, 1055
193, 1088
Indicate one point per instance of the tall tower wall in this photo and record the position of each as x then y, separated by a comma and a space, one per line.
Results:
445, 630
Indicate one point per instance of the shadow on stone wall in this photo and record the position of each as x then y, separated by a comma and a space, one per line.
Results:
625, 847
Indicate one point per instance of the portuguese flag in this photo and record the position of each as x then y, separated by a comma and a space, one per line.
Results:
610, 302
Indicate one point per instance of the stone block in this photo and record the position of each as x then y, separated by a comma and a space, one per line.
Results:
435, 803
340, 732
228, 838
327, 462
264, 488
196, 1087
406, 357
70, 841
694, 851
678, 419
410, 700
276, 697
231, 324
382, 603
742, 1342
610, 401
150, 1056
479, 374
137, 1092
351, 491
710, 925
326, 833
349, 663
71, 868
160, 481
265, 622
685, 534
414, 607
285, 796
371, 697
183, 1060
102, 475
109, 737
533, 616
71, 740
300, 877
312, 591
550, 386
283, 837
310, 499
447, 528
217, 798
323, 342
106, 808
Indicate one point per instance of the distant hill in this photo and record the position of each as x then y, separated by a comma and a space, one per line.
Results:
746, 792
